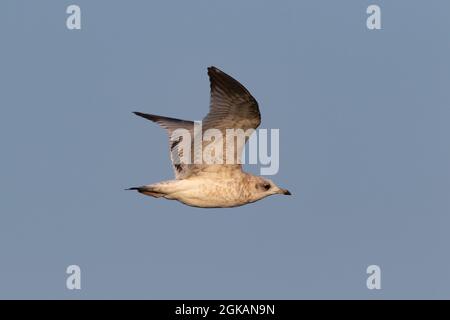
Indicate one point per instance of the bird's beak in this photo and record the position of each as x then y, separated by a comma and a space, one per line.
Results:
286, 192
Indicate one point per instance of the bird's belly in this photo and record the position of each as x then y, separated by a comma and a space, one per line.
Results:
211, 195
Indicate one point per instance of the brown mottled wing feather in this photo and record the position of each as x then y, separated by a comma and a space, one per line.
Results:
231, 107
181, 170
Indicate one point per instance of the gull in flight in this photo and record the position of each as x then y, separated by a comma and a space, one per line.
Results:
218, 184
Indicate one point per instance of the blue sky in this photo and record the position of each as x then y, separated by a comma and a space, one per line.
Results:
363, 118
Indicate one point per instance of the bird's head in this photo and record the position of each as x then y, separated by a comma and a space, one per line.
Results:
264, 187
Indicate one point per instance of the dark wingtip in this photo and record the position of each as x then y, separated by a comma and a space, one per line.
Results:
147, 116
212, 69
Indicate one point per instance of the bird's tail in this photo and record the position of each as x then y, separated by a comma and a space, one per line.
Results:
147, 190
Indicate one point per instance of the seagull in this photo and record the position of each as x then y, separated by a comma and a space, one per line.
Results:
213, 185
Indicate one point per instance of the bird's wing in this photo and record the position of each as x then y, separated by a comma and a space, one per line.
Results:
181, 167
231, 107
